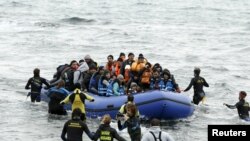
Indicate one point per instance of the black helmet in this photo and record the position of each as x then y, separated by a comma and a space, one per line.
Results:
197, 70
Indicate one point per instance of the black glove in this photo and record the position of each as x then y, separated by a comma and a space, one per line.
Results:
92, 100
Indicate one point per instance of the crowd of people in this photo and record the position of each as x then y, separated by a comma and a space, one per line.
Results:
72, 82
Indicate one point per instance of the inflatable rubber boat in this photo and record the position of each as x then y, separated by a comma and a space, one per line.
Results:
151, 104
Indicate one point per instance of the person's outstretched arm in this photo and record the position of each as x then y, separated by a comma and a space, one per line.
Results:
28, 84
86, 130
230, 106
120, 126
66, 100
118, 137
97, 135
190, 85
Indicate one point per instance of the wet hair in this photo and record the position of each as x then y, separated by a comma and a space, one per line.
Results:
132, 108
243, 93
197, 71
106, 119
130, 98
76, 113
155, 122
36, 72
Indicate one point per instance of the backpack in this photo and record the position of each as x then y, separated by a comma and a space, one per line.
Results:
68, 77
156, 139
60, 70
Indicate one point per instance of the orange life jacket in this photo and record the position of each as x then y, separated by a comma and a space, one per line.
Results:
138, 66
145, 78
126, 73
117, 67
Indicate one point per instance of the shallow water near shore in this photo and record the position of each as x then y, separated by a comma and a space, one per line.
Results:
214, 35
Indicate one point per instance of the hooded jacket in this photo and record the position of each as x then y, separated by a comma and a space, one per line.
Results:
77, 74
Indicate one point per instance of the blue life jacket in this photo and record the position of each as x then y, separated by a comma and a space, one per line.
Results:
162, 85
102, 89
110, 89
93, 82
154, 84
169, 86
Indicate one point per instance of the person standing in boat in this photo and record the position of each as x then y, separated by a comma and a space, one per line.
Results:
105, 132
132, 123
110, 65
197, 82
126, 66
78, 100
56, 95
89, 61
78, 74
74, 128
155, 133
36, 83
242, 106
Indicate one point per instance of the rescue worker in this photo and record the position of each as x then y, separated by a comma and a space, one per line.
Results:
36, 83
105, 132
197, 82
77, 99
132, 123
242, 106
74, 128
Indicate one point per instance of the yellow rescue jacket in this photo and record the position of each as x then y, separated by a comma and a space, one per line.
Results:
78, 100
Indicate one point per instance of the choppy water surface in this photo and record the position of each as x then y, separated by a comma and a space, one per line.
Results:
214, 35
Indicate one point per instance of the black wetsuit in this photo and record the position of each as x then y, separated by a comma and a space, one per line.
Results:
134, 129
242, 107
197, 83
36, 86
74, 129
107, 133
